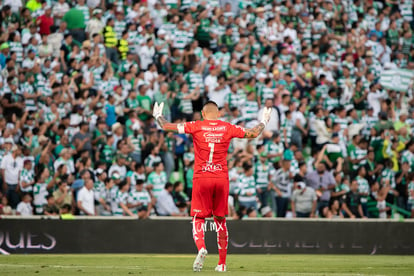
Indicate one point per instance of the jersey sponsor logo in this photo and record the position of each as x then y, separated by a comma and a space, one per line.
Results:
219, 128
213, 137
210, 167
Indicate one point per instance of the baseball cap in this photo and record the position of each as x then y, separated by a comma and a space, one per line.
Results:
5, 45
161, 32
265, 210
282, 82
288, 155
383, 115
96, 11
116, 176
8, 140
99, 171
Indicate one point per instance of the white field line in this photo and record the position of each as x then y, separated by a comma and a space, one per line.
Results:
73, 266
142, 267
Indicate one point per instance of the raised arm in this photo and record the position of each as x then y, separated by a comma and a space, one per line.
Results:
257, 130
162, 122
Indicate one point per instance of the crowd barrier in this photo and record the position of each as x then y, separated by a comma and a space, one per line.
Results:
168, 235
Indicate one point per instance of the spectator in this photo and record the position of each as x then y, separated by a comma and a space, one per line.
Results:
165, 203
105, 198
323, 183
85, 199
24, 208
11, 165
63, 195
180, 198
50, 209
352, 202
121, 200
304, 201
156, 180
5, 208
45, 21
140, 202
282, 185
247, 189
335, 209
75, 20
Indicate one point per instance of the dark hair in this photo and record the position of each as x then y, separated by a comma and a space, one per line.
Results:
176, 184
168, 185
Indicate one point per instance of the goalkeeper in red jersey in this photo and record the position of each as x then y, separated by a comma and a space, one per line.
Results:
210, 193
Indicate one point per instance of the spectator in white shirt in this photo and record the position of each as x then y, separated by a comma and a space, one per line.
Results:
95, 25
59, 10
290, 31
374, 98
165, 202
383, 51
146, 54
86, 199
25, 208
299, 126
11, 166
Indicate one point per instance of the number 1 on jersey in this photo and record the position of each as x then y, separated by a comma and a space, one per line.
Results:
210, 158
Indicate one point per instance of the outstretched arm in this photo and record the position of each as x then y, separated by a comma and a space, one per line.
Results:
167, 126
164, 124
255, 131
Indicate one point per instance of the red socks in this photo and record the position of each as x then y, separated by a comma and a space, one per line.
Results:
198, 233
222, 239
222, 236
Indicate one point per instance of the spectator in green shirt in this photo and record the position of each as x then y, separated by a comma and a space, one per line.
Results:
75, 21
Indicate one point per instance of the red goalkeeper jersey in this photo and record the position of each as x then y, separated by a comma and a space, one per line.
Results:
211, 143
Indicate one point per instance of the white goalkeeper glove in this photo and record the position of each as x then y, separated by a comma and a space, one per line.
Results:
266, 115
157, 110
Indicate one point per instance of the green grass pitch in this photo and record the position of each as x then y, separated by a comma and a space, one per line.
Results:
157, 264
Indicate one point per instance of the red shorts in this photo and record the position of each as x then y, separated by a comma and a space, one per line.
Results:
210, 197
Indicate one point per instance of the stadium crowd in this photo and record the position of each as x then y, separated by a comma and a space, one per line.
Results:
78, 80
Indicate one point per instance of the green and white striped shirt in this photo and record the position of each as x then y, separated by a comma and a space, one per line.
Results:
224, 59
30, 103
363, 187
288, 125
262, 173
250, 110
27, 177
121, 197
18, 49
330, 103
246, 185
136, 197
266, 93
180, 39
186, 106
235, 100
119, 27
85, 11
193, 80
158, 181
